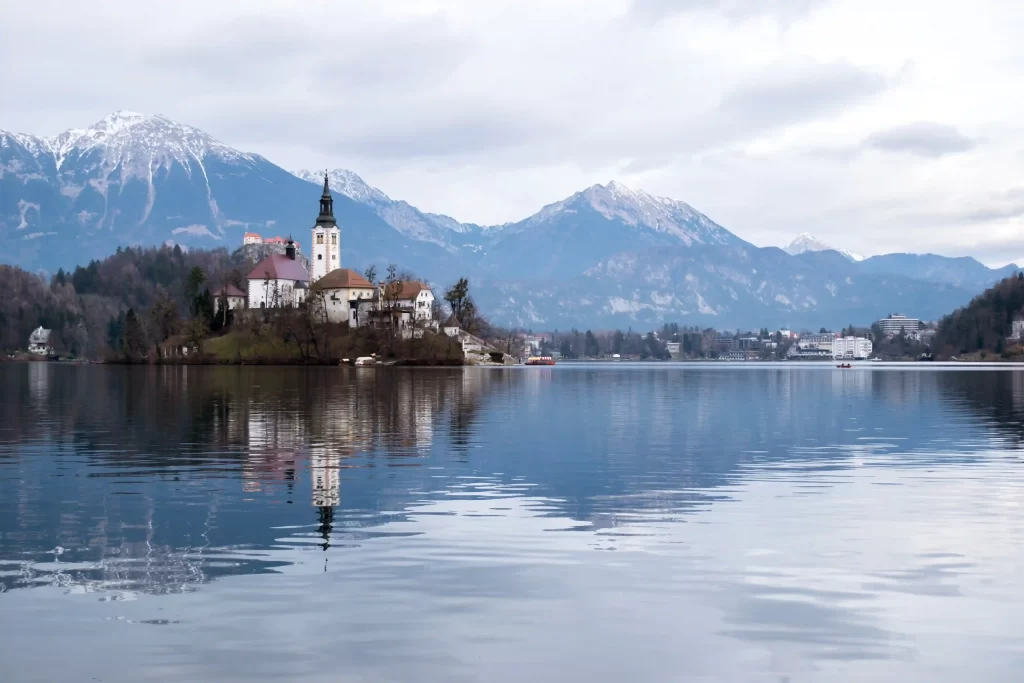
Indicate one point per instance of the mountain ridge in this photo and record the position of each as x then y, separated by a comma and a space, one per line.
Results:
606, 255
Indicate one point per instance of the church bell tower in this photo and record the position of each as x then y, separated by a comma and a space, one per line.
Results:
326, 253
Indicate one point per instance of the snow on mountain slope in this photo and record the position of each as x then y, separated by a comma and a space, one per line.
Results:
347, 183
402, 216
135, 141
638, 209
111, 154
805, 242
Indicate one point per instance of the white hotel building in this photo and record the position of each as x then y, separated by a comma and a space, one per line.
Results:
851, 348
892, 325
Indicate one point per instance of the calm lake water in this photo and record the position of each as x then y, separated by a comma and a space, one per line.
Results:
576, 523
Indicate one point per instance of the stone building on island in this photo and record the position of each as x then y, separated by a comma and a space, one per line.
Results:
342, 291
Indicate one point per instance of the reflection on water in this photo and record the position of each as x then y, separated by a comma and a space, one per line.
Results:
656, 522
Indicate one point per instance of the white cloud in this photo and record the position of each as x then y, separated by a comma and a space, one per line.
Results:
489, 110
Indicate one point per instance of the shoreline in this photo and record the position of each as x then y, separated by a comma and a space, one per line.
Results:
430, 363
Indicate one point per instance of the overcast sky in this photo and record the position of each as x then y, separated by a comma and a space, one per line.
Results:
877, 125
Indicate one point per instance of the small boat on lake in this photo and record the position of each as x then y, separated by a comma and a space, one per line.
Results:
844, 366
540, 360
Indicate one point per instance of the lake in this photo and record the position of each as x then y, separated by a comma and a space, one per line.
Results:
649, 522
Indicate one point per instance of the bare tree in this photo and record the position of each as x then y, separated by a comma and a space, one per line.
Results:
390, 294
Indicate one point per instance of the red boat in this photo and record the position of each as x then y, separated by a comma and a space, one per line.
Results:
540, 360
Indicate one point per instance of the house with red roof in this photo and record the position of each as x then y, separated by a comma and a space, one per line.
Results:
252, 238
278, 281
408, 309
416, 298
342, 290
228, 296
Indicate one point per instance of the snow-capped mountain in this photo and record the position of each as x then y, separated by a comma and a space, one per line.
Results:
443, 231
568, 237
134, 179
643, 211
605, 256
128, 179
805, 242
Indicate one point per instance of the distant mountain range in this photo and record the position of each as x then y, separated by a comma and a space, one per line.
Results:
606, 256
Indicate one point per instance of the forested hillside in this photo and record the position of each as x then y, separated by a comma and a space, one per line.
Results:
86, 308
985, 323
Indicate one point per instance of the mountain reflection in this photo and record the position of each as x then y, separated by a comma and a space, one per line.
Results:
159, 479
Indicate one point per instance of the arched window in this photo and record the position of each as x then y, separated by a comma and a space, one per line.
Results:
319, 257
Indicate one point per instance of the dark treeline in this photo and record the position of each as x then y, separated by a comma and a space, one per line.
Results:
143, 305
693, 342
985, 323
88, 308
576, 344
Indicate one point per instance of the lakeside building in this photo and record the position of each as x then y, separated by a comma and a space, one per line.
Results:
39, 342
1017, 330
409, 309
894, 323
418, 298
812, 347
851, 348
735, 347
532, 343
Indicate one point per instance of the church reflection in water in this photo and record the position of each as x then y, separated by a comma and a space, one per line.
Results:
175, 469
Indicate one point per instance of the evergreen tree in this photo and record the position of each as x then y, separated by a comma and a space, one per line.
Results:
618, 342
134, 342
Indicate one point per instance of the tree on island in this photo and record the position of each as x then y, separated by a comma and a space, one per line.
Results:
463, 308
134, 343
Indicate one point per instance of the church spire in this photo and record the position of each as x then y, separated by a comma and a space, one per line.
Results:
326, 205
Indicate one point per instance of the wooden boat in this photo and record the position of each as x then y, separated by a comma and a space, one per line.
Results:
844, 366
540, 360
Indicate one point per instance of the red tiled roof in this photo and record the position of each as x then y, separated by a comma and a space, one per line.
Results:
228, 290
279, 267
410, 290
251, 234
342, 278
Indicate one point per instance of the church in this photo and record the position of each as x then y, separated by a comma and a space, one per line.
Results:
281, 281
